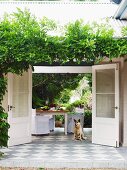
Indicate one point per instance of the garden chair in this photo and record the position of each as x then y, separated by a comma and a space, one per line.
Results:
40, 125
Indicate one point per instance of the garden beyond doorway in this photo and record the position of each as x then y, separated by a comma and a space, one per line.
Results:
63, 91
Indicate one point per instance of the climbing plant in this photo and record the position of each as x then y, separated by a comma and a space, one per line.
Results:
25, 41
124, 31
3, 116
93, 42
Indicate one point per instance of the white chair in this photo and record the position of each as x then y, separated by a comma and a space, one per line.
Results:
40, 125
71, 124
51, 122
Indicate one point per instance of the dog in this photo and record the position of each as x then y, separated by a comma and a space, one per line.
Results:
78, 130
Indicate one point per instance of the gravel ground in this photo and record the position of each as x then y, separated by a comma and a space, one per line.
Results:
1, 168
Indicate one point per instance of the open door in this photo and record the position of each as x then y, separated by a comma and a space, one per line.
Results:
105, 104
19, 107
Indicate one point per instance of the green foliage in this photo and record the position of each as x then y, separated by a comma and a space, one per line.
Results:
71, 106
92, 43
87, 98
78, 103
88, 118
124, 31
4, 126
41, 168
59, 118
79, 42
54, 88
89, 79
63, 97
36, 101
45, 108
25, 41
106, 43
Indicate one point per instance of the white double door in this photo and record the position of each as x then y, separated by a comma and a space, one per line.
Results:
105, 105
19, 107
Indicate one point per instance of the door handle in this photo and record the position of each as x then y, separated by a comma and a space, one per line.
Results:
115, 107
10, 107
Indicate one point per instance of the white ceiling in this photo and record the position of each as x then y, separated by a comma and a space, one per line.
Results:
124, 14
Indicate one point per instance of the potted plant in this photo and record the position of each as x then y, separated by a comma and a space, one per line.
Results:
59, 120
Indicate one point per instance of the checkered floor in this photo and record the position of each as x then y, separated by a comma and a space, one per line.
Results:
57, 146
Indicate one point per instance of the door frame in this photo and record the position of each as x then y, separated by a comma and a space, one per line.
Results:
75, 69
58, 69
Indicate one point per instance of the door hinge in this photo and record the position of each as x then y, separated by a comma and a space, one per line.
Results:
117, 66
8, 108
116, 144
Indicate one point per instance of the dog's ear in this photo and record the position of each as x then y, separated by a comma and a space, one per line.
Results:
74, 120
79, 120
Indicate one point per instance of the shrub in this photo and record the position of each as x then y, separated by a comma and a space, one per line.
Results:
88, 118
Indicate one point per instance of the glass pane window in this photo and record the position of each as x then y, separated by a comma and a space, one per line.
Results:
105, 81
105, 93
105, 105
20, 95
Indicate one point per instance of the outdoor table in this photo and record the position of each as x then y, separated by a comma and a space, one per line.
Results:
55, 112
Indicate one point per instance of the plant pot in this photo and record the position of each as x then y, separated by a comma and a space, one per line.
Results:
58, 123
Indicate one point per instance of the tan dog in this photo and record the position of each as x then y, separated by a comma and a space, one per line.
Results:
78, 131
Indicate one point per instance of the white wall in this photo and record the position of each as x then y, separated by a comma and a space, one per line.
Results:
125, 104
123, 99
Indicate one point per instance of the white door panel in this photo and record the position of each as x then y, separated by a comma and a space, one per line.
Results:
105, 109
19, 105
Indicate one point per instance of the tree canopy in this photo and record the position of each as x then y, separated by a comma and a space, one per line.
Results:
48, 87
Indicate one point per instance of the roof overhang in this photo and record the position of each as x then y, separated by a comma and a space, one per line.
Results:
116, 1
121, 13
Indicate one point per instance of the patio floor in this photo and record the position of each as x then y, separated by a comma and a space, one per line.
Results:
59, 151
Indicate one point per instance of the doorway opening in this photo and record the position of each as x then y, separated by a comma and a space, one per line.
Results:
64, 88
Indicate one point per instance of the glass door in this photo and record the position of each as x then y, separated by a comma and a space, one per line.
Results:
105, 128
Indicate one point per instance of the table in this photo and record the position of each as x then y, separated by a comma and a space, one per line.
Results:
52, 112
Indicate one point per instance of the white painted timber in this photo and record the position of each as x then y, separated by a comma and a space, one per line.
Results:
19, 105
125, 104
105, 105
62, 69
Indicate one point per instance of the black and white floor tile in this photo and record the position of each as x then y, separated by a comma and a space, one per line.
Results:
61, 147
